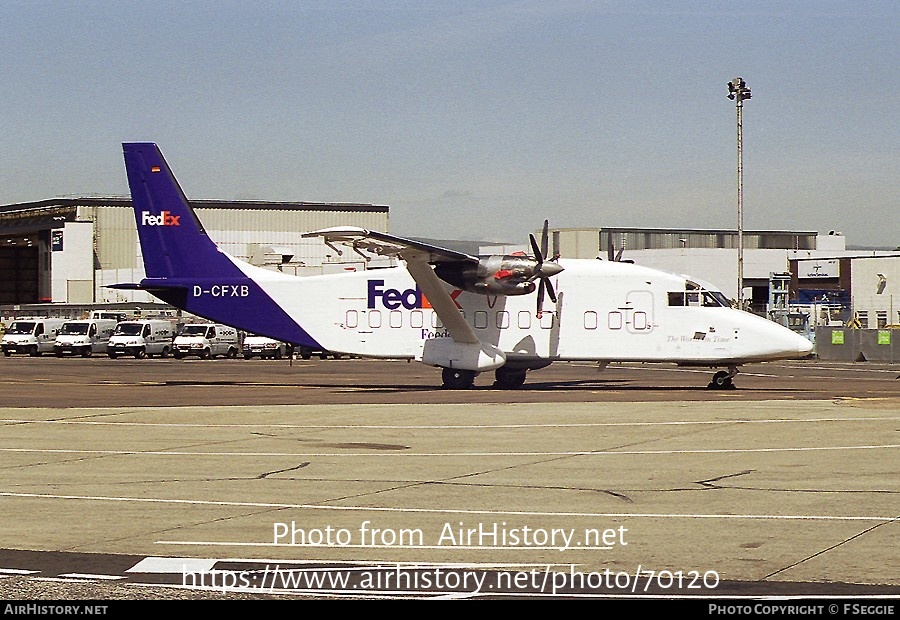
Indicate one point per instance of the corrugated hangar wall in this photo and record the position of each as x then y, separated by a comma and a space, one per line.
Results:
67, 250
245, 233
116, 244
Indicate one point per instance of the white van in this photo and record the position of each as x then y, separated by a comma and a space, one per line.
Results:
207, 340
142, 337
84, 337
34, 336
263, 347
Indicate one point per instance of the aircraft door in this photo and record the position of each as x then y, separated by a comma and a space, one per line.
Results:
639, 319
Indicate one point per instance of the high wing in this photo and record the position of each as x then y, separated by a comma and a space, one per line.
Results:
384, 244
418, 257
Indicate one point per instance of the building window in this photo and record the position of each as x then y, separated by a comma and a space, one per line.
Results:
881, 318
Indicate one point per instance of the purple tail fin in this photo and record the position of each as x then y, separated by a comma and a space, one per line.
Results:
184, 266
173, 241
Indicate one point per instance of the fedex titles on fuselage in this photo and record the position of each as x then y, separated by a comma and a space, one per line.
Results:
392, 299
411, 299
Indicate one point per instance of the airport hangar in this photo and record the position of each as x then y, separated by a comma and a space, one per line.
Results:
65, 251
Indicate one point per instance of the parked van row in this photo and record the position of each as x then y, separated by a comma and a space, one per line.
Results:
137, 338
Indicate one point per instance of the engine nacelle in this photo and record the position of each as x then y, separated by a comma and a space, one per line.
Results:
493, 275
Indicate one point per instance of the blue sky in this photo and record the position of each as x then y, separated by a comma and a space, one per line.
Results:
472, 120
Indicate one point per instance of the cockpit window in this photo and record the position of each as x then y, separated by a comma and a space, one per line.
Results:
698, 297
715, 299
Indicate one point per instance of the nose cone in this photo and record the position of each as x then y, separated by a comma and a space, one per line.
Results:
762, 340
787, 344
550, 269
804, 346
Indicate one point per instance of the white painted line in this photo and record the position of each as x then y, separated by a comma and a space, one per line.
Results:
92, 576
173, 565
690, 405
526, 513
17, 571
381, 454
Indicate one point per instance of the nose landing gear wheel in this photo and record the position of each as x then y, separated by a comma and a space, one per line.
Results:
457, 379
722, 380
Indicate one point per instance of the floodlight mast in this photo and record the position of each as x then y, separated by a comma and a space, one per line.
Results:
737, 92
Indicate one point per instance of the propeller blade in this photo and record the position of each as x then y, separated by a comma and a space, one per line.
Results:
540, 298
544, 239
538, 255
550, 292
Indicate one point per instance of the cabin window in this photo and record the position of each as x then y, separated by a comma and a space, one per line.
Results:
547, 320
395, 318
415, 319
590, 320
503, 319
374, 318
614, 320
351, 320
436, 321
480, 319
639, 320
524, 319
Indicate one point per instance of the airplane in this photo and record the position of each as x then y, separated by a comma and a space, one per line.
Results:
463, 313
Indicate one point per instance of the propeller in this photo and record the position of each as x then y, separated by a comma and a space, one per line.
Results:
544, 270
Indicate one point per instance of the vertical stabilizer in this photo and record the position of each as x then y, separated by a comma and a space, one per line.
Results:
173, 241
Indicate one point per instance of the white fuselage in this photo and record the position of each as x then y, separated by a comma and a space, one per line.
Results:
606, 311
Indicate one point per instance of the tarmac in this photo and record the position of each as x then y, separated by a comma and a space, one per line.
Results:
365, 479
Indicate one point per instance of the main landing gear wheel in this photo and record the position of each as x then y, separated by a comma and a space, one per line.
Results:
723, 380
509, 378
457, 379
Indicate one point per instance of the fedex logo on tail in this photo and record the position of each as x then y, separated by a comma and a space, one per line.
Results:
392, 298
163, 219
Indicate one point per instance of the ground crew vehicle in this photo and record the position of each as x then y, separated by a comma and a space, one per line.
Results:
33, 336
263, 347
207, 340
145, 337
83, 337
